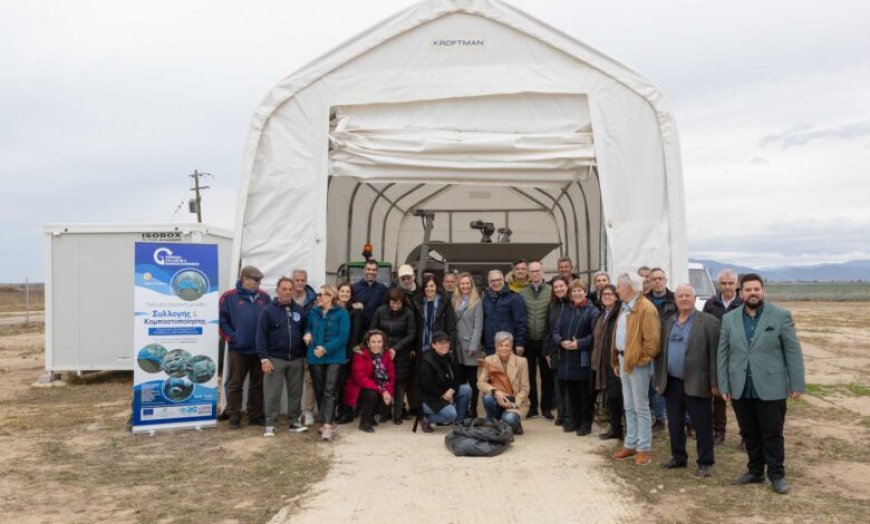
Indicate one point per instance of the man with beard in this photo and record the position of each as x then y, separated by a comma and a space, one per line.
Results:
760, 364
370, 294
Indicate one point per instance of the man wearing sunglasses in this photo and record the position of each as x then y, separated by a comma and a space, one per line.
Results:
239, 310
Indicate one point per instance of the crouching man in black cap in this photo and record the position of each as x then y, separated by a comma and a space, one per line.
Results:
443, 399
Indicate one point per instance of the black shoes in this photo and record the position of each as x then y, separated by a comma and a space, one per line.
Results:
611, 435
584, 430
748, 478
547, 415
673, 464
780, 486
257, 421
568, 427
235, 423
703, 472
519, 430
425, 425
397, 419
658, 426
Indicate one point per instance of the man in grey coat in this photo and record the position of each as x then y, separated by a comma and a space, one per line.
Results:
760, 364
685, 374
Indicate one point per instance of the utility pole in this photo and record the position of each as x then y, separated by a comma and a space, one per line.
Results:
196, 202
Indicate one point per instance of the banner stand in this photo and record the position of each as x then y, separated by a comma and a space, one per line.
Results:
175, 334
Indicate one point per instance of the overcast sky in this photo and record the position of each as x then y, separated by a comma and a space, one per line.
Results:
106, 106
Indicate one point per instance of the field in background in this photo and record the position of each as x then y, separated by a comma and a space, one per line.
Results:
13, 297
818, 291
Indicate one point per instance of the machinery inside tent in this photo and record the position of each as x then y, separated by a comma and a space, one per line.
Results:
455, 111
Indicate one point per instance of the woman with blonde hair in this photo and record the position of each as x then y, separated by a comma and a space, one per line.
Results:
469, 328
326, 334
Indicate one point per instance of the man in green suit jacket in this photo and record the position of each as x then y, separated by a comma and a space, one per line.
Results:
759, 365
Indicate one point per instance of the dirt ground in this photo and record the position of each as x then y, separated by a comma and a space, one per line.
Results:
66, 457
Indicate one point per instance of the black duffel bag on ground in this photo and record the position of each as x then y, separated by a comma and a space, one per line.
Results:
479, 437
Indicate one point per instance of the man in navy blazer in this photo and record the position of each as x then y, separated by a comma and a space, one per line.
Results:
760, 364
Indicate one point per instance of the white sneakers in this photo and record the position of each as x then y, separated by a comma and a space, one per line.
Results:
270, 431
307, 418
297, 428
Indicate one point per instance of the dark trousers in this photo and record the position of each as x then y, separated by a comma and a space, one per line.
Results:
369, 403
719, 416
468, 375
400, 387
245, 365
701, 412
578, 402
535, 357
325, 377
761, 423
616, 409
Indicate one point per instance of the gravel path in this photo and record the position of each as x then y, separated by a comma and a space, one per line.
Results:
395, 475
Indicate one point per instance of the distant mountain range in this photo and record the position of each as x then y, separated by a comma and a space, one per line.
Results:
855, 270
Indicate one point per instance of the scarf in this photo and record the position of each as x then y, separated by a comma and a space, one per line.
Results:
382, 378
429, 309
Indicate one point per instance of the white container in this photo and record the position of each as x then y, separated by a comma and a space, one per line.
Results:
89, 289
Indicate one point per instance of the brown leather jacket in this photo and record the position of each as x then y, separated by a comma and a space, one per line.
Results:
643, 337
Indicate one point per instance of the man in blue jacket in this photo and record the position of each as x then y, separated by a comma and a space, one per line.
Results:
282, 351
239, 310
503, 310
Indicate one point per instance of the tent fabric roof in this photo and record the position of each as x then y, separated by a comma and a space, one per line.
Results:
468, 52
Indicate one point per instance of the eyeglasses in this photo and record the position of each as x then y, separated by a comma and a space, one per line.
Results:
493, 280
608, 294
407, 277
255, 279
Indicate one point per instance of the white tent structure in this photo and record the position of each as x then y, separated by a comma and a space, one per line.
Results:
468, 109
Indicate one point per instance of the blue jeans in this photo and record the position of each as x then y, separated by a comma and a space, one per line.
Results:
493, 410
638, 422
451, 413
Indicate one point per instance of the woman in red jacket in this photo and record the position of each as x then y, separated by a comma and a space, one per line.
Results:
372, 380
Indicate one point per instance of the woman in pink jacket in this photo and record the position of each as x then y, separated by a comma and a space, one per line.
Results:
372, 380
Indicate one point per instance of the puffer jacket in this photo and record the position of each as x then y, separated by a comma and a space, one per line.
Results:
716, 307
575, 323
401, 329
503, 311
362, 376
537, 303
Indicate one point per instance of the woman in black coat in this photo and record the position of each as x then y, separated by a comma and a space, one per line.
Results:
558, 301
573, 336
435, 313
397, 320
605, 379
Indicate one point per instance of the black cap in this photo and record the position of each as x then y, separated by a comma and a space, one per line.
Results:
440, 336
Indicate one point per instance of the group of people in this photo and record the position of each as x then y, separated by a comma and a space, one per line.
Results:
438, 350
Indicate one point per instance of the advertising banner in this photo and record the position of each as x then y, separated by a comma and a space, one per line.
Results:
175, 336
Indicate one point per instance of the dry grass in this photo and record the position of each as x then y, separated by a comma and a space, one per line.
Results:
677, 496
66, 456
13, 297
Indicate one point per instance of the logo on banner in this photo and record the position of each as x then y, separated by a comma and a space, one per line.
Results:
164, 256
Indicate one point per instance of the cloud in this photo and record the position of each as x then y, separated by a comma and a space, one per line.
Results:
756, 160
803, 134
